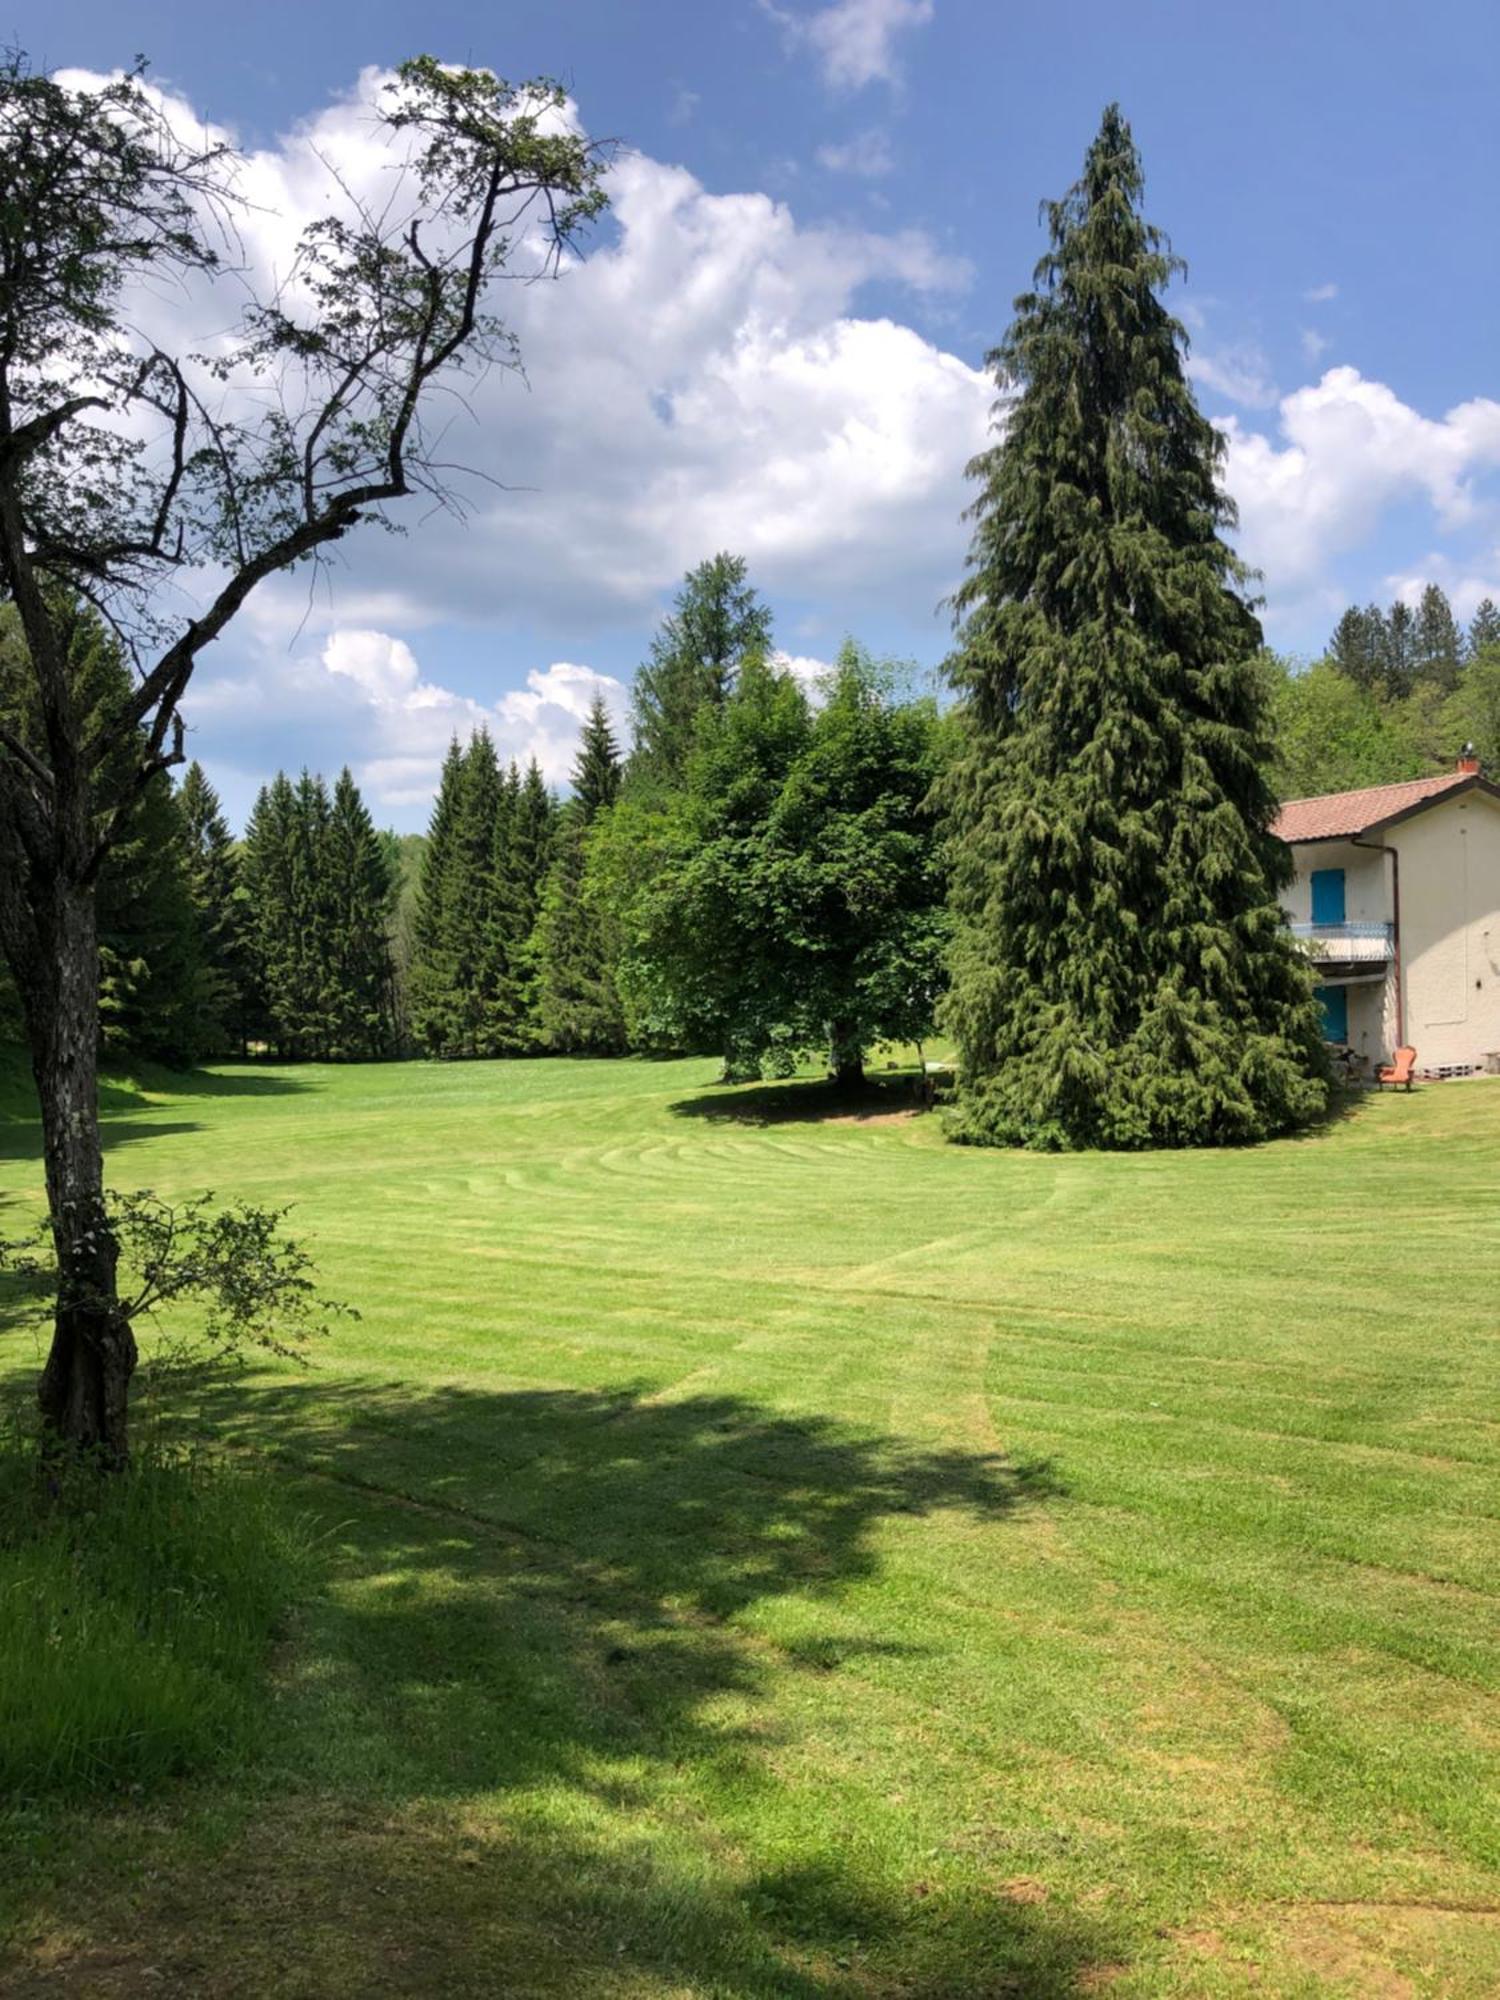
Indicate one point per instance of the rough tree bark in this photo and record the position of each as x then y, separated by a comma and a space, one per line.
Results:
85, 1386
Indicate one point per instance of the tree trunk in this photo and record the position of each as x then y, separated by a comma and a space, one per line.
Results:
846, 1055
85, 1385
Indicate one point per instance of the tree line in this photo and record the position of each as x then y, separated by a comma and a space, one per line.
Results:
1396, 693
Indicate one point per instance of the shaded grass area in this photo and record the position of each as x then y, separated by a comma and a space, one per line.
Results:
135, 1618
789, 1556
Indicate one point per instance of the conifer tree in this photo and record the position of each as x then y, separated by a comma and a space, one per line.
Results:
1484, 628
213, 877
1401, 650
271, 926
470, 896
434, 971
1122, 974
361, 888
578, 1008
305, 999
521, 857
1438, 649
154, 997
1358, 646
717, 621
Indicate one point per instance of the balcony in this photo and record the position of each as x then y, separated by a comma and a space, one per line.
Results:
1348, 944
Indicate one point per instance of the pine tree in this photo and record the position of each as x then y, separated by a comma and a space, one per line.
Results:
578, 1008
470, 895
1438, 648
1401, 650
1358, 645
434, 972
716, 623
305, 1002
521, 857
361, 888
1484, 629
1122, 973
213, 875
155, 997
266, 874
597, 766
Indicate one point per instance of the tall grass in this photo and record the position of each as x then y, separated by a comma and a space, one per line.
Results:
136, 1614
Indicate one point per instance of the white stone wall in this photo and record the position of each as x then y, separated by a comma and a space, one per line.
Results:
1367, 896
1450, 929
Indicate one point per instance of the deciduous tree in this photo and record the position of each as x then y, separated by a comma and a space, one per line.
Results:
123, 465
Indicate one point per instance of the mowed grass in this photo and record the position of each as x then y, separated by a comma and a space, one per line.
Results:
772, 1554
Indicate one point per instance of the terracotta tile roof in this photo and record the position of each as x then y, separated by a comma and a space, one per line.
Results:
1337, 815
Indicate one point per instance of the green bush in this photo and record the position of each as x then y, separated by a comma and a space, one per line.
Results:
136, 1613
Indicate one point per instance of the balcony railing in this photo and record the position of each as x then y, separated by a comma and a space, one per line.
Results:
1349, 944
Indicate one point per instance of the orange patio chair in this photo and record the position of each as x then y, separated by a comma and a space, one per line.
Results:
1400, 1071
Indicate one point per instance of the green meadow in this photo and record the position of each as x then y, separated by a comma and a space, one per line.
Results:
760, 1552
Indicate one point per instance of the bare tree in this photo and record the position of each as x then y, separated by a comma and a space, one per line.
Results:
133, 479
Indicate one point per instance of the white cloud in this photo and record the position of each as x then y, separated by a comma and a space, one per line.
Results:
363, 701
1241, 373
812, 673
1319, 295
702, 379
1349, 450
1464, 588
868, 155
1314, 344
854, 40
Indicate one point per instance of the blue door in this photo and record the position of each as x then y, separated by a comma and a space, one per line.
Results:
1334, 1000
1328, 895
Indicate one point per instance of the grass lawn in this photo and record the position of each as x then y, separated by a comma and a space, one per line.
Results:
765, 1554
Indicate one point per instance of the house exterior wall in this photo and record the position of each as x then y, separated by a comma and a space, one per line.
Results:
1367, 896
1449, 941
1370, 992
1450, 929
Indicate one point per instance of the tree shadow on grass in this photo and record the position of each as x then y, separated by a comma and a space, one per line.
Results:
804, 1103
541, 1723
237, 1082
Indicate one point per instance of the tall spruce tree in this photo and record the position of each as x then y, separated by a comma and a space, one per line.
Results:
1438, 648
154, 996
213, 877
717, 621
1122, 974
1401, 650
522, 856
266, 865
361, 890
1484, 629
470, 897
578, 1008
434, 972
1358, 646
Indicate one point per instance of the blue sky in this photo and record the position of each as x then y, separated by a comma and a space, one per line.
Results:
824, 212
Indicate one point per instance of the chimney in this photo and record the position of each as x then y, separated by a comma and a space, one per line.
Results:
1468, 762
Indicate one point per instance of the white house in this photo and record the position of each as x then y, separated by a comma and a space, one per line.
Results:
1397, 894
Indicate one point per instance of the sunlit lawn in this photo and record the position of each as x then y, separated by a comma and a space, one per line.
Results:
768, 1554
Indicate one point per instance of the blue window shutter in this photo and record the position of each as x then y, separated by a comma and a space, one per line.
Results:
1328, 895
1334, 1000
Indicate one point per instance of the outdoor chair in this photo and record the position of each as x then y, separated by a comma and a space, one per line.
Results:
1400, 1071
